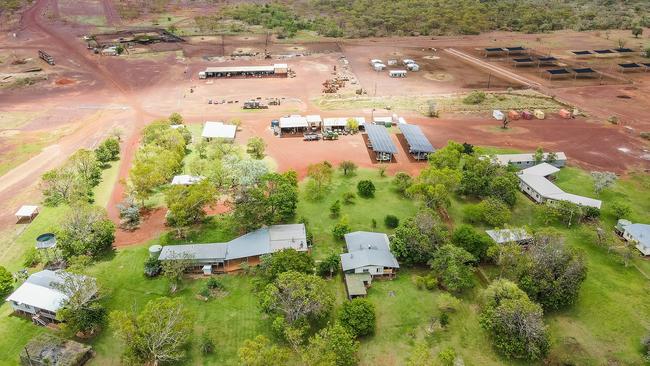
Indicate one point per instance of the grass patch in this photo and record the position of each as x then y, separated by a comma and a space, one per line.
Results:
104, 189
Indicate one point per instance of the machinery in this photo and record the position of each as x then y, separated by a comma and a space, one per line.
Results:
254, 104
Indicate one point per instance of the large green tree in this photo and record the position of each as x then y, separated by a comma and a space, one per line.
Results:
157, 335
332, 346
261, 352
285, 260
358, 316
297, 297
452, 266
6, 281
85, 230
515, 323
416, 238
468, 238
186, 204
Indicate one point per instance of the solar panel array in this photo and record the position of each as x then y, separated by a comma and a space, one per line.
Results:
380, 139
416, 139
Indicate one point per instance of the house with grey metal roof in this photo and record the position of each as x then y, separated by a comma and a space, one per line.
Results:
248, 248
542, 169
540, 189
419, 145
639, 235
380, 142
528, 160
368, 256
40, 296
502, 236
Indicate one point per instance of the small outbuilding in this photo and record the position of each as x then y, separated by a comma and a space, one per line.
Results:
314, 121
26, 212
519, 236
186, 180
219, 130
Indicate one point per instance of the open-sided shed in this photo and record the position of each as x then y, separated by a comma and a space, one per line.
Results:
547, 61
585, 72
293, 124
380, 142
419, 145
523, 61
558, 73
516, 50
630, 66
492, 51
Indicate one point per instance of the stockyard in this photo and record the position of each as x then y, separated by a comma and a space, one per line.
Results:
73, 75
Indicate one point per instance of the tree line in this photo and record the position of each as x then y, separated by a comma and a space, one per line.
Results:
366, 18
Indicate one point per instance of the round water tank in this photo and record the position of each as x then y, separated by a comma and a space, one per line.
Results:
45, 241
154, 251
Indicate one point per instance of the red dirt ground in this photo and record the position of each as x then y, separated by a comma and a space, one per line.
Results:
130, 92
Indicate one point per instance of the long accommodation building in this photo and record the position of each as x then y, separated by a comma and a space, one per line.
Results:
227, 257
528, 160
535, 183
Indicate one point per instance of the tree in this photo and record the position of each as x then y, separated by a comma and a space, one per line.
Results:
332, 346
352, 125
260, 352
157, 335
358, 316
85, 165
447, 157
402, 181
553, 273
256, 147
466, 237
504, 187
416, 238
551, 157
6, 281
603, 180
285, 260
508, 256
108, 151
539, 155
620, 210
174, 268
85, 230
475, 97
81, 312
452, 266
494, 212
129, 213
341, 228
62, 185
434, 185
175, 119
329, 266
320, 178
432, 108
296, 296
447, 356
515, 323
637, 31
335, 209
366, 189
348, 167
645, 343
186, 204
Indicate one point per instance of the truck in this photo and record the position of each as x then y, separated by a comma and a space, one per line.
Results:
46, 57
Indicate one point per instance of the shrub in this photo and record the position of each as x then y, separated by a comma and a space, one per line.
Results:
214, 284
475, 97
31, 258
620, 210
335, 209
6, 281
207, 345
613, 120
391, 221
402, 181
494, 212
428, 282
348, 198
448, 302
152, 267
366, 188
645, 135
373, 223
444, 320
341, 228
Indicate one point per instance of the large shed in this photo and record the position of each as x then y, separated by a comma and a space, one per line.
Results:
293, 124
219, 130
256, 71
381, 143
419, 145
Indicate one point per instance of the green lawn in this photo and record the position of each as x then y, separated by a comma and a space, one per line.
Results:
605, 325
104, 189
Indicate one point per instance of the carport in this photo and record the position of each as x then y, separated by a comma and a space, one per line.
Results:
380, 142
419, 145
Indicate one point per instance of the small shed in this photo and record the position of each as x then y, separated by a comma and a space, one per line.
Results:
27, 212
356, 284
514, 115
293, 124
186, 180
397, 73
546, 61
280, 69
498, 115
519, 236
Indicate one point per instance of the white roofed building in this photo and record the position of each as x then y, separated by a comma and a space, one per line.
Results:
219, 130
528, 160
533, 182
186, 180
40, 296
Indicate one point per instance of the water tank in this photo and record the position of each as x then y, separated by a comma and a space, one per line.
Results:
46, 241
154, 251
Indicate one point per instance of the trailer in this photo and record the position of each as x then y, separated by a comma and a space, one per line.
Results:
46, 57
